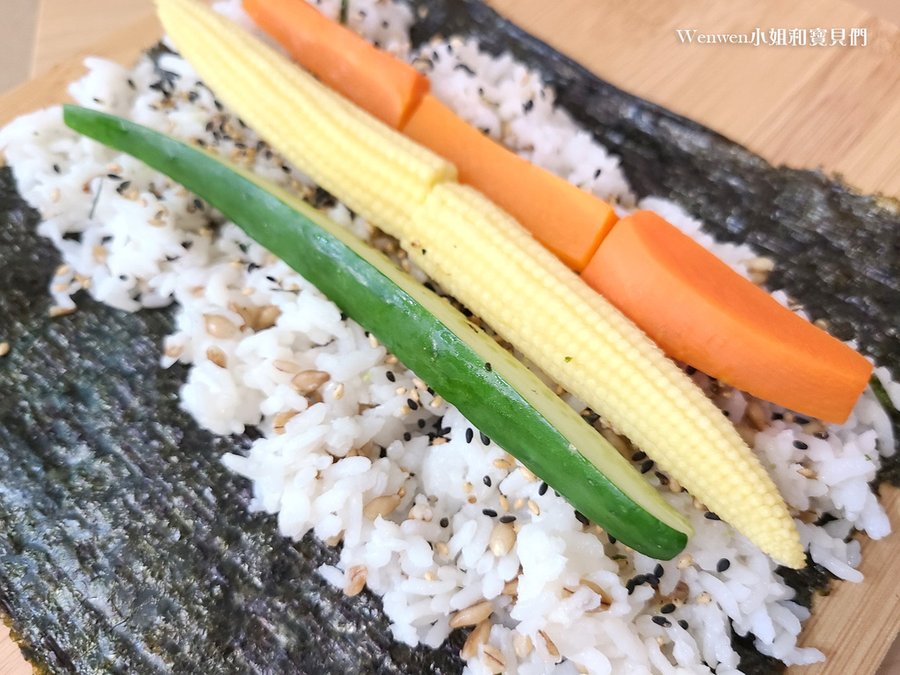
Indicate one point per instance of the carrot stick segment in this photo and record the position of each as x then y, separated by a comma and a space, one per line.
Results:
699, 311
373, 79
567, 220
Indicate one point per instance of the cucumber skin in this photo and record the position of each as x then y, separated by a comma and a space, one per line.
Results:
335, 262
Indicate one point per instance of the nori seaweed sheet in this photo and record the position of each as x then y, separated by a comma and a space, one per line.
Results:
126, 547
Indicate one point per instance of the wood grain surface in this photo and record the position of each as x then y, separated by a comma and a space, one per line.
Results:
835, 108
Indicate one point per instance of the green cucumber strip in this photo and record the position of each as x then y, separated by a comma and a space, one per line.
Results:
464, 365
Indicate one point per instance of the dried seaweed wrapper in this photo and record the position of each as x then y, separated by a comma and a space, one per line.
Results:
125, 546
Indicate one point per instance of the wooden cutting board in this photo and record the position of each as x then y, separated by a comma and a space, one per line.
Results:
835, 108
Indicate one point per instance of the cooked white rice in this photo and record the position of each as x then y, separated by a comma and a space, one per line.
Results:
333, 461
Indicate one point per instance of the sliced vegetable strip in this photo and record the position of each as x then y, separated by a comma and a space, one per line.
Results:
390, 89
285, 105
698, 310
493, 390
535, 302
567, 220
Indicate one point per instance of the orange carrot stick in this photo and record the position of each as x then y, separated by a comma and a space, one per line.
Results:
699, 311
567, 220
374, 80
694, 306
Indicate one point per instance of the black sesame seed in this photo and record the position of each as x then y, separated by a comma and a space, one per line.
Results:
198, 204
589, 415
661, 621
464, 67
690, 370
528, 105
421, 424
684, 624
597, 173
193, 96
488, 367
801, 420
646, 466
484, 438
407, 436
629, 586
486, 480
131, 83
542, 490
723, 565
663, 478
56, 168
639, 456
114, 176
490, 513
651, 579
581, 518
777, 416
470, 434
668, 608
658, 571
390, 376
124, 185
726, 413
412, 404
507, 519
612, 539
444, 522
821, 435
800, 445
709, 515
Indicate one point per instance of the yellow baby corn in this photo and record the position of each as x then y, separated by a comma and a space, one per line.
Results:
584, 343
323, 134
458, 237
